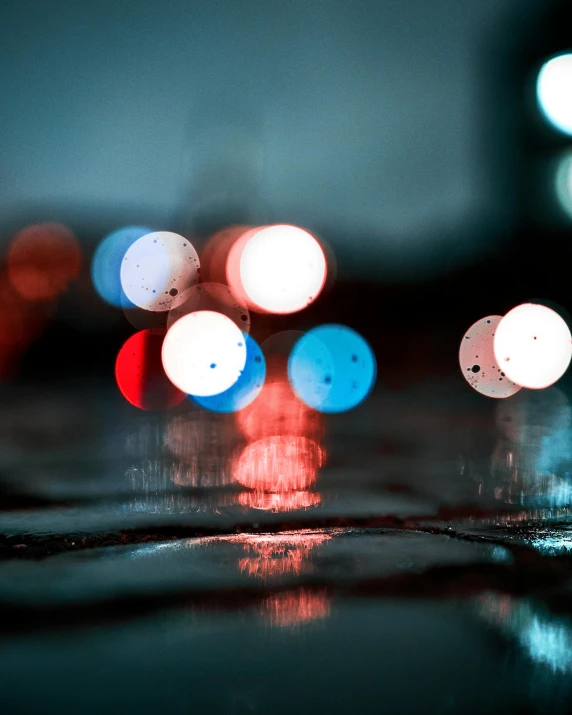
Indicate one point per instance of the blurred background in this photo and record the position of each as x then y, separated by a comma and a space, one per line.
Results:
409, 136
281, 560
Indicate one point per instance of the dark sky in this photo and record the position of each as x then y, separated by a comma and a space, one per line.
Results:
367, 119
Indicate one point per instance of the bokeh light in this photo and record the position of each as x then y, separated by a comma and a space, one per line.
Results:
478, 362
232, 273
140, 375
564, 183
42, 260
157, 269
245, 389
533, 346
332, 368
277, 411
214, 255
554, 92
211, 296
107, 260
204, 353
280, 463
282, 269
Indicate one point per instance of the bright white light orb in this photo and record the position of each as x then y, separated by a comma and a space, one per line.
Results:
564, 183
478, 363
204, 353
282, 269
157, 269
554, 92
533, 346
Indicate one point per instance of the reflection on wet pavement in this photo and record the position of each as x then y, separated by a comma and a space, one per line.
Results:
425, 538
545, 637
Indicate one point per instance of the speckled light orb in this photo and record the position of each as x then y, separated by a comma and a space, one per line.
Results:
533, 346
157, 269
478, 362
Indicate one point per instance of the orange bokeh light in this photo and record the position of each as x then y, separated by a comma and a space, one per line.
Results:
42, 260
280, 463
278, 411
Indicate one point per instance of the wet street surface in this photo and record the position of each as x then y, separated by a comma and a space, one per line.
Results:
413, 555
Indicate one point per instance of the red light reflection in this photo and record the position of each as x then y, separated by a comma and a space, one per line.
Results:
42, 260
279, 502
277, 554
278, 411
205, 443
140, 376
293, 608
280, 463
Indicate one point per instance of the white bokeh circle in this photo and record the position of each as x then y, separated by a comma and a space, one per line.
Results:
204, 353
157, 269
533, 346
282, 269
554, 92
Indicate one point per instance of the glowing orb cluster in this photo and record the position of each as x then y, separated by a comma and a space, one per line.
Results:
554, 92
332, 368
278, 269
202, 328
204, 353
478, 362
533, 346
157, 269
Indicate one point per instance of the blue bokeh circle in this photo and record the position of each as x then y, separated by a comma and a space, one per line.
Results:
332, 368
106, 263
